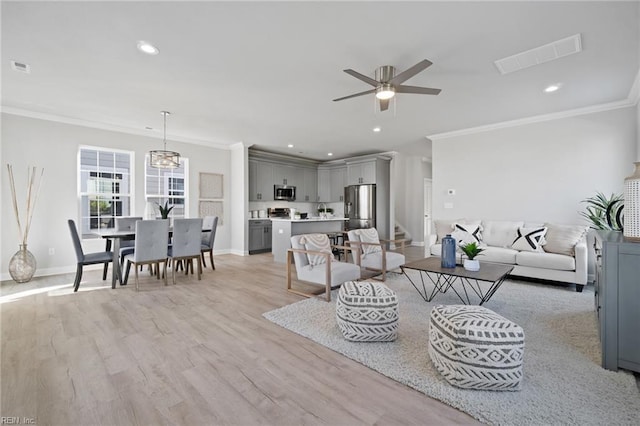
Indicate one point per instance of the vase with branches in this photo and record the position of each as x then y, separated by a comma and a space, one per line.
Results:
22, 264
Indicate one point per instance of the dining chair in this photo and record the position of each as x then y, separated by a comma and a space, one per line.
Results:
208, 237
315, 264
371, 252
87, 258
150, 247
186, 245
126, 224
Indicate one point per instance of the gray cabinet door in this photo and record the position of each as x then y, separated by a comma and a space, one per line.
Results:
255, 238
629, 306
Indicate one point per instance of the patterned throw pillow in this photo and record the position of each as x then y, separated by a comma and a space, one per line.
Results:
465, 233
317, 242
530, 239
369, 236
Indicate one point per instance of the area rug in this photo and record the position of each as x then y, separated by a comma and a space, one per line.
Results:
563, 381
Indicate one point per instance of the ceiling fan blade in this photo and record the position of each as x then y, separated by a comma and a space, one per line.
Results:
418, 90
355, 95
368, 80
384, 104
407, 74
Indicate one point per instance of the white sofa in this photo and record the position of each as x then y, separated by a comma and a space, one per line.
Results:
561, 257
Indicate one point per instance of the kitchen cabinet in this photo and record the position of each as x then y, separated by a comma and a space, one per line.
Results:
260, 181
331, 183
309, 190
361, 172
617, 300
260, 236
287, 175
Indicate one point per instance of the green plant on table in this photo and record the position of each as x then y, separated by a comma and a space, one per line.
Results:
471, 250
165, 210
605, 213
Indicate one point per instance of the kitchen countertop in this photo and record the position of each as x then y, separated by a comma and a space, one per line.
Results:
311, 219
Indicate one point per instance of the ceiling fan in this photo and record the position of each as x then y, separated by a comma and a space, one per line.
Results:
387, 83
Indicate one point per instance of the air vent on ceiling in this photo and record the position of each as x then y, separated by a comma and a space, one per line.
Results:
20, 67
548, 52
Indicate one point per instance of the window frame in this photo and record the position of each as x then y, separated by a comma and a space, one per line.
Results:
112, 171
150, 198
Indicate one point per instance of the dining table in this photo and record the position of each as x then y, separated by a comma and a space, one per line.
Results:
116, 237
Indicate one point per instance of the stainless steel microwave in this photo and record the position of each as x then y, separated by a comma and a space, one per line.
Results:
284, 192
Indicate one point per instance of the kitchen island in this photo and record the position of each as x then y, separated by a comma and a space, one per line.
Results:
284, 229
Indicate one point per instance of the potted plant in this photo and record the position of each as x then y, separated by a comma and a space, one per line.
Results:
471, 250
165, 210
605, 213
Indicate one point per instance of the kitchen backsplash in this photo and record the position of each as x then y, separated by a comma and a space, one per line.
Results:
310, 208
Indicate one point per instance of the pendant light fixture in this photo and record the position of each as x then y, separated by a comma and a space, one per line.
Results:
163, 159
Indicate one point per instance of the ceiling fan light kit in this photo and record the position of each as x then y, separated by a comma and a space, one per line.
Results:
163, 159
387, 83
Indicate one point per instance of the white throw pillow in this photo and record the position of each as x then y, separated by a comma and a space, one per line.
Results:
561, 239
444, 227
530, 239
369, 236
465, 233
500, 233
317, 242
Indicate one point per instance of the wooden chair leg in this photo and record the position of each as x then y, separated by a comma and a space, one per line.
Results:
164, 272
126, 273
173, 271
136, 275
213, 266
203, 261
76, 282
199, 268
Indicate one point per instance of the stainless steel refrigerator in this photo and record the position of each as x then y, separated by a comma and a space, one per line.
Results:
360, 206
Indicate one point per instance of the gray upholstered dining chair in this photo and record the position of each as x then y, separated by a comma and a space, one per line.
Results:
186, 245
150, 247
87, 258
126, 224
208, 238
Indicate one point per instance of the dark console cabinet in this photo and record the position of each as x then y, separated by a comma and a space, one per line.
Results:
617, 298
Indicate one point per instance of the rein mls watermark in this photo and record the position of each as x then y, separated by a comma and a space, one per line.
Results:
15, 420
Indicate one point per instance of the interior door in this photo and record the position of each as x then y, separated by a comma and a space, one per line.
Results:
427, 210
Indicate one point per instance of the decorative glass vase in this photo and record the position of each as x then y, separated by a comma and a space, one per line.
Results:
448, 255
632, 205
22, 265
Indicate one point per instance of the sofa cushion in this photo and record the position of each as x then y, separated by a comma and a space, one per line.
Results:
500, 233
529, 239
562, 239
444, 227
436, 249
465, 233
555, 261
498, 254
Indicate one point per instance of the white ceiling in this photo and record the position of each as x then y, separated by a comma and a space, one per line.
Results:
265, 73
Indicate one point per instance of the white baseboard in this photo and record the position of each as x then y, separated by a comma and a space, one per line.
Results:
417, 243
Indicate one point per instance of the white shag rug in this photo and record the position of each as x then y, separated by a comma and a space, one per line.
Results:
563, 381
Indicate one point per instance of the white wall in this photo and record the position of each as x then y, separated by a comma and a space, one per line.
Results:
537, 172
239, 197
54, 146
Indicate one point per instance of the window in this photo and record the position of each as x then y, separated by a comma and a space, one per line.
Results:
104, 187
167, 185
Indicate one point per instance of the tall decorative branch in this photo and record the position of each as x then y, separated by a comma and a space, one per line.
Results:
31, 200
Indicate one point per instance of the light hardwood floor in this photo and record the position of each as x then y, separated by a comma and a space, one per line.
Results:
196, 353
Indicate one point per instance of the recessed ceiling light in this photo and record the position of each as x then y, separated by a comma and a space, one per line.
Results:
377, 129
290, 146
147, 48
552, 87
330, 154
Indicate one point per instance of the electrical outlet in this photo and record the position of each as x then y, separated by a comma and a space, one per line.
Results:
52, 251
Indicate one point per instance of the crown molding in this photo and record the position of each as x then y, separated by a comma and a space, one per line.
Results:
625, 103
107, 126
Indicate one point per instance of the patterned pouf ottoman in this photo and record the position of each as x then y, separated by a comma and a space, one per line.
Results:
475, 348
367, 312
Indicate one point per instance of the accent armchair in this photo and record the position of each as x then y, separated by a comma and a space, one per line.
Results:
371, 252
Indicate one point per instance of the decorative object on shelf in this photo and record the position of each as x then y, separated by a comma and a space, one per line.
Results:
22, 264
448, 256
165, 210
471, 250
163, 159
605, 213
632, 203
